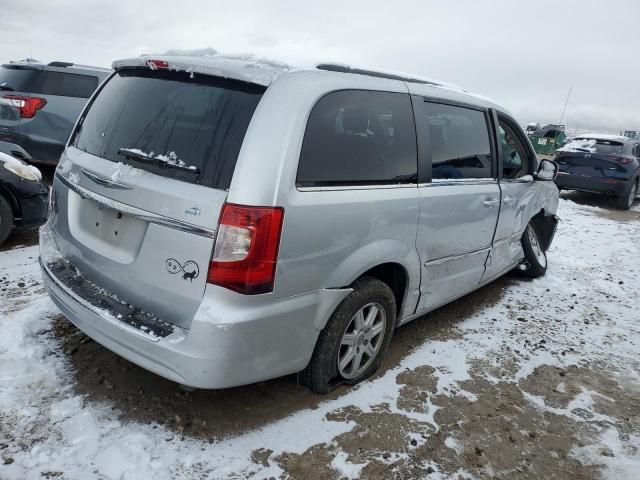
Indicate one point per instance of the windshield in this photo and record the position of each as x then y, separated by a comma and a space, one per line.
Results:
158, 119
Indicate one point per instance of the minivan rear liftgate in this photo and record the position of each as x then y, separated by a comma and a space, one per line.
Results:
140, 190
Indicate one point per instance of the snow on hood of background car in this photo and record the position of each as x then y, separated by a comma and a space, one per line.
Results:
14, 165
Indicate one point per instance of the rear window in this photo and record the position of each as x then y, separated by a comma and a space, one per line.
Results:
356, 137
606, 147
45, 82
158, 120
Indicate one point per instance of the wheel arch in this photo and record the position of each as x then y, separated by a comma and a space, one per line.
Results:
395, 276
545, 225
392, 262
8, 194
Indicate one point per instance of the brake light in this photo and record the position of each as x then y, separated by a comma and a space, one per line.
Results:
154, 64
246, 249
622, 160
27, 106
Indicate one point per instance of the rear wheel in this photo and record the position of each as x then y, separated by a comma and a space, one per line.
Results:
626, 201
352, 344
535, 258
6, 219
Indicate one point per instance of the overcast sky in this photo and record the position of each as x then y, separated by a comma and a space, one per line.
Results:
524, 54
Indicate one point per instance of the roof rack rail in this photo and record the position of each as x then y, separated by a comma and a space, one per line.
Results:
372, 73
60, 64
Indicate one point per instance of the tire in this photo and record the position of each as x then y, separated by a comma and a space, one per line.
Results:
6, 219
626, 201
535, 258
323, 372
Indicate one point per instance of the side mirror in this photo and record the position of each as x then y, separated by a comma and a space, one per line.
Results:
547, 170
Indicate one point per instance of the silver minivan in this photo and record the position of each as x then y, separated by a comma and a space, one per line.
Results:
221, 221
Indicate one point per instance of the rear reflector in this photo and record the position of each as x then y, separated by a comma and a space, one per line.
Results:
27, 106
246, 249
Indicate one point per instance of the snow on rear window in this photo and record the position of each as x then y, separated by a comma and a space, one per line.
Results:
592, 145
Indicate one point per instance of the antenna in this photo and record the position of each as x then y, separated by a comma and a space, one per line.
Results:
565, 106
564, 109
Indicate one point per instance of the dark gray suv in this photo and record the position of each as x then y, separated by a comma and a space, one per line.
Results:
39, 105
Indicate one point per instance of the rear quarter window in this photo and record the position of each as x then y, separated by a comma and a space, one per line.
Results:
171, 117
356, 137
69, 84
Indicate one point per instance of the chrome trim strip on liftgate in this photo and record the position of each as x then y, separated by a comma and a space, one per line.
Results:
136, 212
105, 182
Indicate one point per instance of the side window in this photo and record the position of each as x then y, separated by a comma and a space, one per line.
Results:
69, 84
460, 146
357, 137
515, 157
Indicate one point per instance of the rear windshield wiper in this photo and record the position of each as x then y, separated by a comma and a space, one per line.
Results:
142, 157
5, 86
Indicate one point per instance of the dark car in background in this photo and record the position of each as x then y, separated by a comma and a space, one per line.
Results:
39, 105
599, 163
23, 196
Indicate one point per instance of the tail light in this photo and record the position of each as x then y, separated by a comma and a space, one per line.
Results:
27, 106
622, 160
246, 249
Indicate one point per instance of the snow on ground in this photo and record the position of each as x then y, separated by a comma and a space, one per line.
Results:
47, 427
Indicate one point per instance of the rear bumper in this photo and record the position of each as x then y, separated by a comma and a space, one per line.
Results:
591, 184
233, 339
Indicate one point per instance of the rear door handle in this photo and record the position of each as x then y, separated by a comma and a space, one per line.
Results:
508, 200
490, 203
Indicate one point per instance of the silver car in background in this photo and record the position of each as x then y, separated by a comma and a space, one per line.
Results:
221, 221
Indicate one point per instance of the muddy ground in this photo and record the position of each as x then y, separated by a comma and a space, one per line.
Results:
488, 427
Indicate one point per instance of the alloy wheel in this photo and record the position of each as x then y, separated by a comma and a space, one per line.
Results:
362, 340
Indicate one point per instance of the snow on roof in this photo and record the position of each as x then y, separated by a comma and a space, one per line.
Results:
603, 136
261, 70
243, 67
